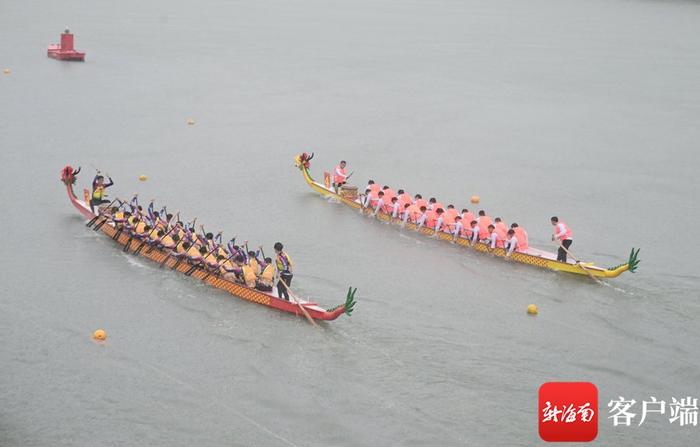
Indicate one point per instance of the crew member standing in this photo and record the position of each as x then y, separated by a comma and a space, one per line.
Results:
562, 233
340, 177
284, 268
98, 190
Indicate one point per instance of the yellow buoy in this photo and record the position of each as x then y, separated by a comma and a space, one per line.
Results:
475, 199
190, 121
7, 71
532, 309
100, 335
143, 178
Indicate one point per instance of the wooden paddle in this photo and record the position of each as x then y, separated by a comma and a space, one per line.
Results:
306, 314
578, 262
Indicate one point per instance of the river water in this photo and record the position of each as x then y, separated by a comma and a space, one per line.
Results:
584, 109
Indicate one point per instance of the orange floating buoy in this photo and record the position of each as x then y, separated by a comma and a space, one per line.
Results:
7, 71
190, 121
100, 335
475, 199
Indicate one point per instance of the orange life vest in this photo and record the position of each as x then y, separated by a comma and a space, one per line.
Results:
404, 199
501, 226
521, 235
448, 222
414, 213
467, 219
337, 178
430, 218
484, 222
421, 202
567, 231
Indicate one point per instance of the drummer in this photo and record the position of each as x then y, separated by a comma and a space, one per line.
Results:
340, 176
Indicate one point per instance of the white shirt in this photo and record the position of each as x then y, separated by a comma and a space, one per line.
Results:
494, 239
475, 233
512, 243
395, 209
458, 228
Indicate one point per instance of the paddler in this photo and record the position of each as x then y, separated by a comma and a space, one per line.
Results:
484, 222
497, 237
433, 204
340, 176
284, 269
98, 190
562, 233
379, 203
474, 232
226, 268
249, 275
394, 208
521, 234
371, 194
388, 194
403, 199
457, 231
267, 277
511, 243
419, 201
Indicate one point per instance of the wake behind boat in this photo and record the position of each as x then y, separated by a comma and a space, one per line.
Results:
348, 195
157, 253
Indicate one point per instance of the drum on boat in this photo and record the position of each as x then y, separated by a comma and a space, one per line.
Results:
348, 192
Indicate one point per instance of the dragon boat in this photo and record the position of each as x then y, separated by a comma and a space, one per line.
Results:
270, 299
534, 257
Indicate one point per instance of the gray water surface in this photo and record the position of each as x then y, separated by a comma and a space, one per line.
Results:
584, 109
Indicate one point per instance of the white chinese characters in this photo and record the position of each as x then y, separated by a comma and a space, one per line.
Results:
683, 411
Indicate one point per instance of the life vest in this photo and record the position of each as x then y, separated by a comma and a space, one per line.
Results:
179, 249
501, 226
226, 267
502, 235
435, 206
210, 260
448, 222
388, 195
421, 202
99, 192
153, 235
119, 216
430, 218
130, 220
249, 276
284, 263
140, 228
467, 219
414, 213
567, 231
337, 178
452, 213
374, 188
388, 206
404, 199
499, 238
484, 222
268, 275
193, 252
168, 242
522, 239
253, 263
373, 197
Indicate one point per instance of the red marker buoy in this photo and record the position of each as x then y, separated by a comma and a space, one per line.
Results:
65, 51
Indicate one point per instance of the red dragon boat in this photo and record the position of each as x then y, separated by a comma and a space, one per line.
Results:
64, 51
270, 299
